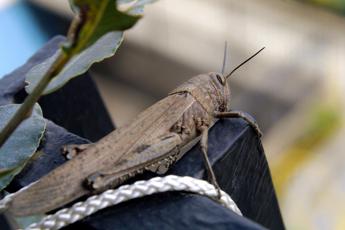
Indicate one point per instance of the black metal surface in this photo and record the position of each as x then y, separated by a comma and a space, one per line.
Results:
242, 171
234, 150
240, 165
50, 155
167, 211
78, 107
5, 222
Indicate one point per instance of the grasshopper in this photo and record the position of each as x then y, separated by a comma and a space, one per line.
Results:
153, 141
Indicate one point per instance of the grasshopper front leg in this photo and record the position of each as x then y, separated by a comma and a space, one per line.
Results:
240, 114
204, 148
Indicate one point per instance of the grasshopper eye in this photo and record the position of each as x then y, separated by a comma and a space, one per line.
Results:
220, 79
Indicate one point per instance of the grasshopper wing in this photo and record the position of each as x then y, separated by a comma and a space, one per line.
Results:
156, 156
66, 183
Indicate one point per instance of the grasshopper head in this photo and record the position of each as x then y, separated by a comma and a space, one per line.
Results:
221, 85
211, 90
219, 91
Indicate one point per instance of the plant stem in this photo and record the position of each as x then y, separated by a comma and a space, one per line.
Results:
25, 109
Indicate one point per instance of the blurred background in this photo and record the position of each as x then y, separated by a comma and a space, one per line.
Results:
295, 88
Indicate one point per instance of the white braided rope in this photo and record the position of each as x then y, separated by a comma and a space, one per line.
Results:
127, 192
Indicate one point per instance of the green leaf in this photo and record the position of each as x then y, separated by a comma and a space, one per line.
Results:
133, 7
105, 47
22, 144
95, 35
98, 18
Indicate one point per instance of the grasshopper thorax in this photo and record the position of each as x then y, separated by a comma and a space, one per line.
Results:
210, 90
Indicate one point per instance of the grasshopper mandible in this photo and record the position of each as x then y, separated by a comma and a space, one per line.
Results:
153, 141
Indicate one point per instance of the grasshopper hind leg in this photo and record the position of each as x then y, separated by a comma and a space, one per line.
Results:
204, 148
156, 156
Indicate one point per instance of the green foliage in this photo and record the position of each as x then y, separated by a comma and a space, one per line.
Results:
96, 19
94, 35
324, 121
22, 144
338, 5
104, 47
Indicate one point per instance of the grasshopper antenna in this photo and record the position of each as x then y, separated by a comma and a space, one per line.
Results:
248, 59
225, 57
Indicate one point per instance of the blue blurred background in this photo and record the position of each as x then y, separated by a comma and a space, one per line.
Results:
25, 27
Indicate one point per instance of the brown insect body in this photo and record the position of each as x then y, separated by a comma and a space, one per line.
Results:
152, 141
